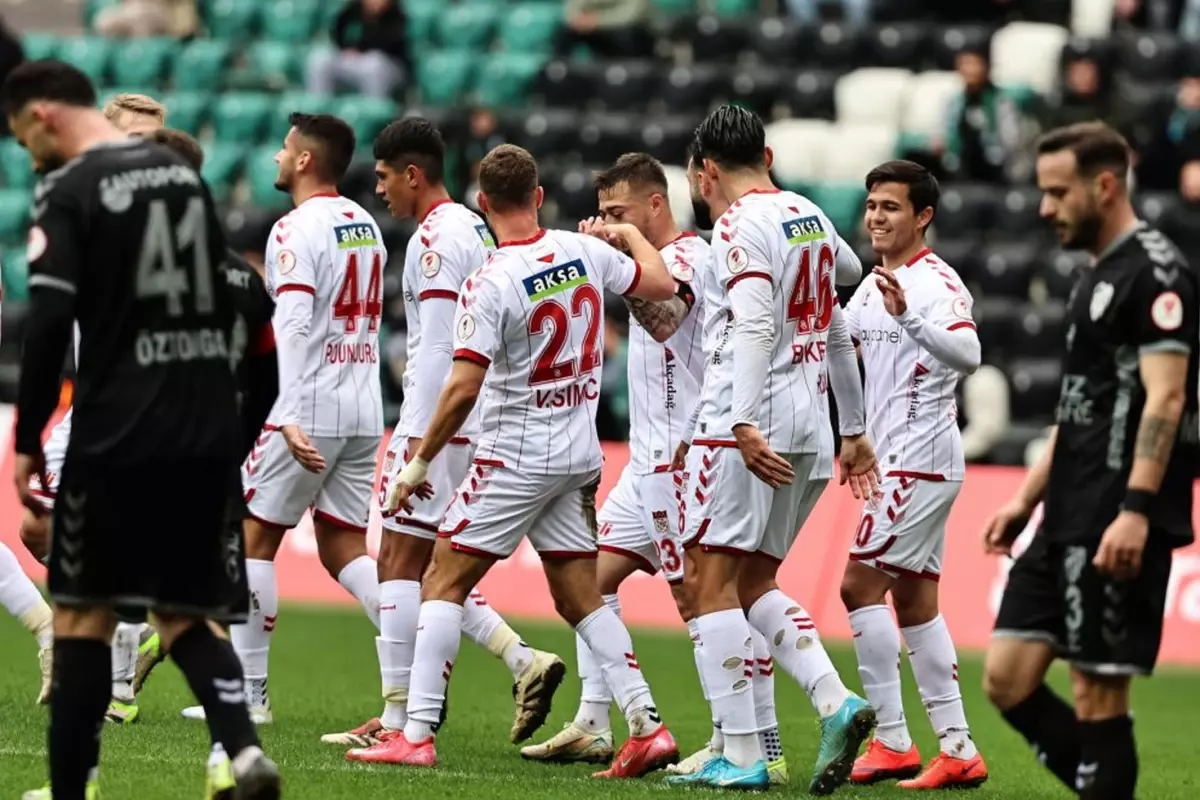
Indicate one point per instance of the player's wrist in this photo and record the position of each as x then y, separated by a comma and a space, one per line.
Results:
414, 472
1138, 501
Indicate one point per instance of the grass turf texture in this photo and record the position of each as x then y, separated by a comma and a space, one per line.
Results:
324, 678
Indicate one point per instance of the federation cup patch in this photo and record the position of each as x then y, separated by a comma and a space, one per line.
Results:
959, 307
736, 259
466, 327
36, 246
286, 261
1167, 311
431, 263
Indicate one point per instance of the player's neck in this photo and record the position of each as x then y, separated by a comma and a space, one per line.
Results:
85, 132
305, 191
662, 238
516, 226
430, 199
736, 185
1112, 229
902, 258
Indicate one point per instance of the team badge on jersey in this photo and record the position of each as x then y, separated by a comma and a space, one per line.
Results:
557, 279
1101, 296
431, 263
36, 246
1167, 311
286, 261
466, 327
736, 259
485, 236
803, 230
389, 461
661, 523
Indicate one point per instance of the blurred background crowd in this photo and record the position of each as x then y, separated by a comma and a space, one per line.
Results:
963, 86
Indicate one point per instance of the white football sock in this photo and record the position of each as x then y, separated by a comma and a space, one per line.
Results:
124, 660
794, 642
252, 641
935, 666
21, 598
877, 645
399, 606
439, 631
609, 641
483, 626
727, 665
717, 742
596, 697
361, 578
763, 685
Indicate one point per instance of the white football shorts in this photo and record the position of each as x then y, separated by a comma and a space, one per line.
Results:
446, 473
642, 519
730, 510
902, 531
278, 489
496, 507
54, 451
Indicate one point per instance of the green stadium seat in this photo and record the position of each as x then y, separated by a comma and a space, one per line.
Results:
672, 7
503, 79
530, 27
222, 165
16, 166
276, 63
294, 21
14, 214
290, 102
90, 54
444, 75
231, 19
261, 171
329, 14
40, 45
842, 203
241, 117
16, 274
144, 62
187, 111
466, 26
200, 64
92, 9
736, 8
420, 19
367, 116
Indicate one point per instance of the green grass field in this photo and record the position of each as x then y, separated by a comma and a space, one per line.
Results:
325, 678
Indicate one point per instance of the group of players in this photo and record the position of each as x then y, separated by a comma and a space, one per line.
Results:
735, 346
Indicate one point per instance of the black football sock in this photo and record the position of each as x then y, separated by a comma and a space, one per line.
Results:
1049, 724
1108, 763
82, 683
215, 676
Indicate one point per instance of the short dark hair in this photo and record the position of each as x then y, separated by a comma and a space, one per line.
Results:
415, 141
640, 170
691, 158
181, 144
1097, 147
508, 176
923, 189
335, 139
733, 137
47, 79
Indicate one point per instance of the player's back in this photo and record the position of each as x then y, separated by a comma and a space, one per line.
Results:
785, 239
154, 375
535, 315
331, 248
911, 409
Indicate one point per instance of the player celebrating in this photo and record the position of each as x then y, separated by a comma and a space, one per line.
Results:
325, 269
916, 336
639, 522
121, 243
530, 320
744, 512
450, 243
1116, 477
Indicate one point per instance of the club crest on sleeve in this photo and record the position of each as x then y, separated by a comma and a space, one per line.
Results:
736, 260
286, 261
36, 245
1167, 311
431, 263
1101, 296
681, 270
960, 309
466, 327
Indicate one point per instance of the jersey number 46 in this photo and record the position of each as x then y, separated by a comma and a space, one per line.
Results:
812, 300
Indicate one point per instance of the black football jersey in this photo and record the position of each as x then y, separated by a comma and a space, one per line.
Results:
258, 372
1141, 296
131, 231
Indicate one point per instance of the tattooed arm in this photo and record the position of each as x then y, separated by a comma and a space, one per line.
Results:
1164, 374
662, 319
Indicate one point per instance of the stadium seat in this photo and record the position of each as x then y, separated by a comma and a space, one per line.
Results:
559, 84
961, 252
275, 64
1059, 272
15, 281
285, 104
292, 21
575, 194
14, 214
836, 47
367, 116
260, 172
241, 117
854, 149
996, 319
445, 75
39, 45
144, 62
757, 88
695, 87
231, 19
798, 146
843, 204
923, 116
810, 94
1155, 206
1027, 54
505, 79
735, 8
710, 37
548, 132
680, 197
90, 54
1008, 268
626, 85
222, 165
780, 41
966, 208
466, 26
900, 45
529, 27
606, 137
187, 111
16, 166
1146, 56
947, 41
1035, 387
200, 64
420, 19
1092, 18
871, 96
667, 138
1018, 212
91, 10
672, 7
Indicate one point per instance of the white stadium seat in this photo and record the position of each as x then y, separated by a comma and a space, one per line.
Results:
871, 95
799, 146
929, 97
853, 150
1092, 18
1028, 54
680, 197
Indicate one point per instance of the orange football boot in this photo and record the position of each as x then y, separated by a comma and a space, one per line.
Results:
393, 748
643, 754
949, 772
881, 763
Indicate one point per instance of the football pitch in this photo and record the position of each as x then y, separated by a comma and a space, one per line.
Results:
324, 678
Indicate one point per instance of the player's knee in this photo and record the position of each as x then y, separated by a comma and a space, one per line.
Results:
683, 600
1005, 684
262, 542
338, 548
35, 535
863, 586
1099, 696
573, 607
402, 558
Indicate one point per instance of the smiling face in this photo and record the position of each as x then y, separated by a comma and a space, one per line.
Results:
891, 220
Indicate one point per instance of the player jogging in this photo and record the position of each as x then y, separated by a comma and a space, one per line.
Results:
1115, 481
530, 321
764, 394
450, 243
916, 336
127, 243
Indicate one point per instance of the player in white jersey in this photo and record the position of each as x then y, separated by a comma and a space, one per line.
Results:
324, 267
450, 242
916, 336
530, 321
782, 345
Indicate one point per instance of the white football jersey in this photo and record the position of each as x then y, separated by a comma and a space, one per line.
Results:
912, 415
664, 379
785, 239
534, 315
330, 247
451, 242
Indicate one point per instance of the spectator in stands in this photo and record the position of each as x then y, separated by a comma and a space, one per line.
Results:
608, 28
984, 136
1182, 222
483, 134
11, 54
1177, 139
132, 18
136, 114
372, 53
1158, 15
1087, 93
856, 12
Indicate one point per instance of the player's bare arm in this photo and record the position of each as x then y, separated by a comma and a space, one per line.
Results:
661, 320
1006, 524
655, 282
859, 466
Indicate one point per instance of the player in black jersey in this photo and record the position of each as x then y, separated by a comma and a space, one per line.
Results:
1115, 481
126, 242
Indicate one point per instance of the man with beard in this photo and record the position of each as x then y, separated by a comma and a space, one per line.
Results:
1116, 479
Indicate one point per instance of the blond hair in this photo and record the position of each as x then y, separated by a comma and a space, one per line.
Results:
136, 104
